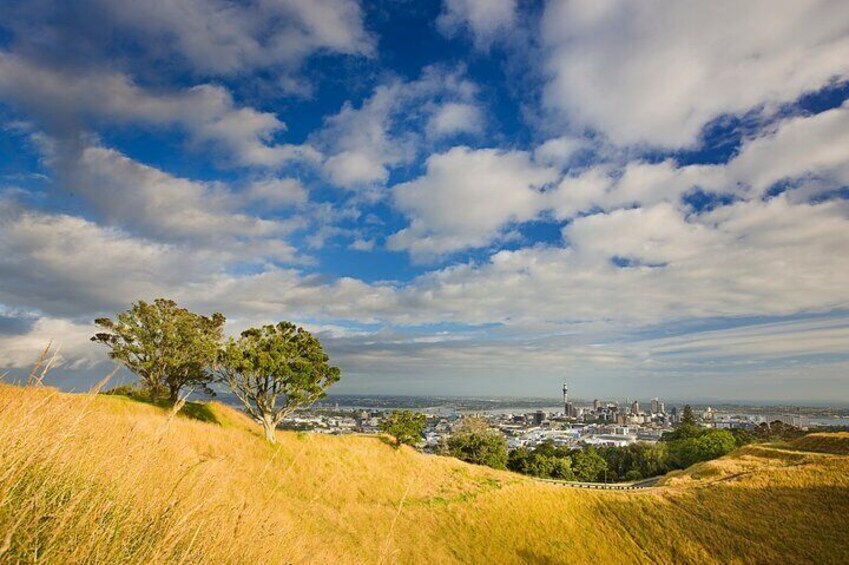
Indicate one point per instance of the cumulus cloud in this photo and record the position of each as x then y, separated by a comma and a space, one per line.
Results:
147, 200
278, 192
206, 36
558, 151
815, 146
485, 19
466, 198
656, 72
70, 340
454, 118
64, 100
364, 143
657, 264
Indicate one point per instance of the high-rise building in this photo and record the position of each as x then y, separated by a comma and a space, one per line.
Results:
655, 406
539, 416
596, 404
635, 407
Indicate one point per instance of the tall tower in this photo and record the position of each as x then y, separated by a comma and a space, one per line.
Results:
567, 406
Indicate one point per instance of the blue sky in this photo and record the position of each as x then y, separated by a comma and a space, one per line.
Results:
471, 197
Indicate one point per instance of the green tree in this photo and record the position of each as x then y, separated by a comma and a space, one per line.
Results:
475, 442
273, 370
168, 347
709, 445
687, 417
546, 461
405, 426
588, 465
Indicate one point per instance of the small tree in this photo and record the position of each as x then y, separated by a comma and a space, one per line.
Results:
168, 347
475, 442
275, 369
405, 426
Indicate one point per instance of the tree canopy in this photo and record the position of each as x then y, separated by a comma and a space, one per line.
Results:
167, 346
405, 426
273, 370
475, 442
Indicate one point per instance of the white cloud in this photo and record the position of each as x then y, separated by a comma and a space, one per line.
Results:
748, 258
484, 18
656, 72
69, 340
605, 187
810, 145
454, 118
149, 201
278, 192
360, 244
60, 99
360, 168
205, 36
69, 266
466, 198
385, 131
558, 150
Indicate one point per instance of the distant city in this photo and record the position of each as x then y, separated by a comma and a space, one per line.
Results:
569, 423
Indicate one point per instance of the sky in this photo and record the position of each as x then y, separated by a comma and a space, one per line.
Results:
459, 197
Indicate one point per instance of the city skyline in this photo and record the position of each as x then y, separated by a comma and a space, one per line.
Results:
461, 198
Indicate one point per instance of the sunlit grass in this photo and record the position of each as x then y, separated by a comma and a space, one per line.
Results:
100, 479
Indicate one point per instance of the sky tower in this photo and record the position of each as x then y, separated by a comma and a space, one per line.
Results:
567, 406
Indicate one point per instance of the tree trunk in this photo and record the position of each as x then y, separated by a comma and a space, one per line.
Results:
173, 395
269, 426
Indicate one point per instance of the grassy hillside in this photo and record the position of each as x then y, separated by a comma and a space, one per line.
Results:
99, 479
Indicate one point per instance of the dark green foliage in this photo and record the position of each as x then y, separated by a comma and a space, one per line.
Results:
635, 461
777, 431
588, 465
405, 426
546, 461
742, 436
710, 444
687, 417
133, 391
274, 370
475, 442
168, 347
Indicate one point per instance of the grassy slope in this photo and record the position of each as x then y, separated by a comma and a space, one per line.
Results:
100, 479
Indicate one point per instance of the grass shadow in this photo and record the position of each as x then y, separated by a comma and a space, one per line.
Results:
200, 411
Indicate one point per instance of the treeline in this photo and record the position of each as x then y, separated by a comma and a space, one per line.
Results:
686, 445
272, 369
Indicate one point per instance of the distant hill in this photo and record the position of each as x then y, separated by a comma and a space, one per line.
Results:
103, 479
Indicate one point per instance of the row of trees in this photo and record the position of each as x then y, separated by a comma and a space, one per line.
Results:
686, 445
272, 370
549, 461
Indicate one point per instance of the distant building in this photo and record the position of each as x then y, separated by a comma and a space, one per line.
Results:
655, 406
539, 417
568, 408
635, 408
596, 404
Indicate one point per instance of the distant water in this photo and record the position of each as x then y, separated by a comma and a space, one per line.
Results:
829, 421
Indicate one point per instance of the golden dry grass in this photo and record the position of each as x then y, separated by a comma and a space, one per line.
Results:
836, 443
98, 479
